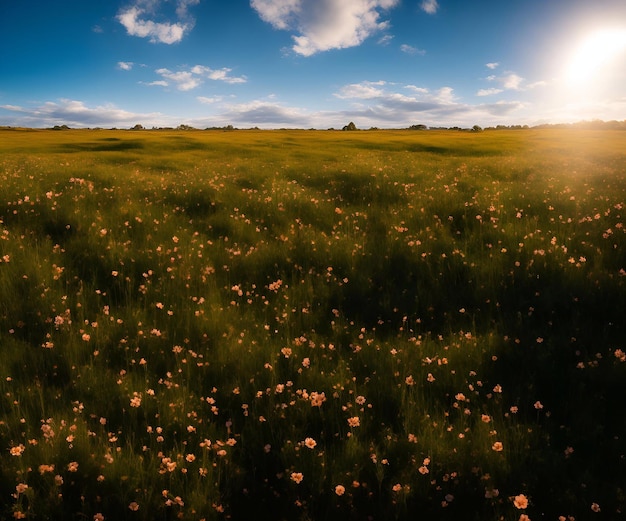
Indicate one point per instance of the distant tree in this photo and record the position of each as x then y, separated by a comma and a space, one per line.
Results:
349, 126
60, 127
477, 128
137, 127
184, 127
418, 127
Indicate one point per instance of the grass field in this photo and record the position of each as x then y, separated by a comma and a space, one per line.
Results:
309, 325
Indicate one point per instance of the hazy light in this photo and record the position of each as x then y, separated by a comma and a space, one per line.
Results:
595, 52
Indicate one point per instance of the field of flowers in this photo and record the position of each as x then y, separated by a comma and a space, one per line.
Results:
308, 325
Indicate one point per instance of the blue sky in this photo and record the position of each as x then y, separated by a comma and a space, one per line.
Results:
311, 63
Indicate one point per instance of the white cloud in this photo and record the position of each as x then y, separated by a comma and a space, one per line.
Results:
133, 18
430, 6
183, 6
416, 90
157, 83
125, 66
364, 90
445, 95
194, 77
492, 65
324, 24
259, 113
540, 83
184, 80
488, 92
383, 104
512, 81
509, 81
209, 101
279, 13
385, 40
409, 49
75, 113
157, 32
218, 74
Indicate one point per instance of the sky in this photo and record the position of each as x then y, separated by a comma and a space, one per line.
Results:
311, 63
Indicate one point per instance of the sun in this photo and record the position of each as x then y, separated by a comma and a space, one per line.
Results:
592, 61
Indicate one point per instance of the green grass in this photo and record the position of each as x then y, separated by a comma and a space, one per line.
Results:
441, 312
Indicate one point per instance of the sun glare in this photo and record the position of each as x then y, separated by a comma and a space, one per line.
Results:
593, 57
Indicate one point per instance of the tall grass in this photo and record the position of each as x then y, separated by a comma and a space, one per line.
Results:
312, 325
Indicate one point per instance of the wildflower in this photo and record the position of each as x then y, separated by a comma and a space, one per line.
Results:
423, 470
21, 488
73, 466
397, 487
520, 501
354, 421
98, 517
497, 446
135, 401
17, 450
595, 507
310, 443
340, 490
317, 399
524, 517
491, 493
297, 477
134, 506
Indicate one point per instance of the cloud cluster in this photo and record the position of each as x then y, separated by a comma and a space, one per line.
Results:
76, 114
134, 19
409, 49
430, 6
385, 104
507, 81
194, 77
324, 24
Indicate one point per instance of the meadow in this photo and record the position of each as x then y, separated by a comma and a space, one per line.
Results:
312, 325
